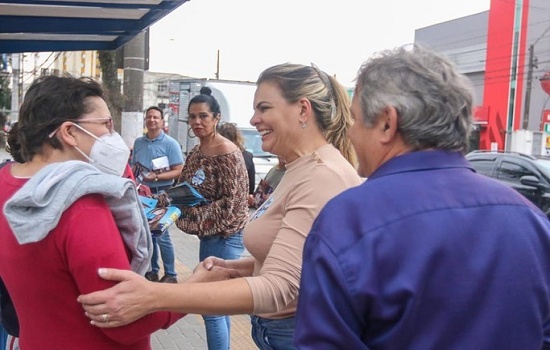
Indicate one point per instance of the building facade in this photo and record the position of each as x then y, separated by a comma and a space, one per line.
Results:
506, 53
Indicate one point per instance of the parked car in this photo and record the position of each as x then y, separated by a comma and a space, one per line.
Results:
529, 175
263, 161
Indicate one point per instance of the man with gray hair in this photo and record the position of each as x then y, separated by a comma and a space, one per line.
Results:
426, 254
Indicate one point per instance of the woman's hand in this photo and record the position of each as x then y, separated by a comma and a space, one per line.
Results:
212, 261
121, 304
212, 269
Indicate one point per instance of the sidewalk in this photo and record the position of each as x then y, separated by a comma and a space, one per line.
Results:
188, 333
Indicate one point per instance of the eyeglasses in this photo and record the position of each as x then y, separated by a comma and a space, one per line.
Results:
108, 121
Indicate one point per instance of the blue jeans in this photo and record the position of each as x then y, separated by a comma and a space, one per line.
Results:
273, 334
3, 338
218, 328
164, 243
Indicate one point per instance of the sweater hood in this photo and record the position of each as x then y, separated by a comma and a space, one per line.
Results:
46, 195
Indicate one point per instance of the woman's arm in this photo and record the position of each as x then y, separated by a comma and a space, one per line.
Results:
135, 297
93, 243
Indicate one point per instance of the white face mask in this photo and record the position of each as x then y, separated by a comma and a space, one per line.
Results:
109, 152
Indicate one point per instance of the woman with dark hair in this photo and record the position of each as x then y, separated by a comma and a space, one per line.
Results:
216, 168
66, 212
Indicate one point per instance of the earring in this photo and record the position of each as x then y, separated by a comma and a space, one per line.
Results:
304, 125
189, 134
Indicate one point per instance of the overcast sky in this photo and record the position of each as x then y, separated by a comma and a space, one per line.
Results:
254, 34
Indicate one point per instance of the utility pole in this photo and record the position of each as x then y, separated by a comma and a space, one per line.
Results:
531, 65
218, 66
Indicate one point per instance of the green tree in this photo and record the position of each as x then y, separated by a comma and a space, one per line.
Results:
111, 84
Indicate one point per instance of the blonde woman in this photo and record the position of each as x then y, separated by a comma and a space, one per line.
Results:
303, 115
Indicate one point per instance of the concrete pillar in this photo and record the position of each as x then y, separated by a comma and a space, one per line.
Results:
132, 112
15, 91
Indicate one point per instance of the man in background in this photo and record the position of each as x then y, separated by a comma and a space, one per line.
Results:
157, 161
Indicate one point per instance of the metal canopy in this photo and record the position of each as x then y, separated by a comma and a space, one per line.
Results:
50, 25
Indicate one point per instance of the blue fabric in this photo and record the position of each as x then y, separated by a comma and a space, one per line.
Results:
164, 244
3, 337
218, 328
426, 254
273, 334
145, 150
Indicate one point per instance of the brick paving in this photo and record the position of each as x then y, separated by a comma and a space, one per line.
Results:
188, 333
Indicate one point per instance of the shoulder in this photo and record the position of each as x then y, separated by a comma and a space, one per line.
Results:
226, 147
331, 167
92, 200
231, 161
139, 140
170, 139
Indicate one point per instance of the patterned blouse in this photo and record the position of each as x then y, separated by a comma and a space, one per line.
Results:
222, 180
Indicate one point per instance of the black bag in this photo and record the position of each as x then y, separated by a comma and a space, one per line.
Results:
8, 316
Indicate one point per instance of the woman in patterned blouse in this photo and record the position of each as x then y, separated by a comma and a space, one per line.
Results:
216, 168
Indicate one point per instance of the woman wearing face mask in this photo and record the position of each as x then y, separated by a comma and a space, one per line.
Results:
66, 212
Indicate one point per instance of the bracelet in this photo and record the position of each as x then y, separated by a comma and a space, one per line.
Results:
156, 177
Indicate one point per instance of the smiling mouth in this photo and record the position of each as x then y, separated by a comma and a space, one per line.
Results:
265, 132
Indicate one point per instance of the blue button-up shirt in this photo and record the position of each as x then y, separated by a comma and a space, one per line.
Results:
426, 254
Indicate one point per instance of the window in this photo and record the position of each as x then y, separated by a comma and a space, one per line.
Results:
253, 143
162, 86
512, 171
482, 166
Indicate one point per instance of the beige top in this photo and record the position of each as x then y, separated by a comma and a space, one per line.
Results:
276, 232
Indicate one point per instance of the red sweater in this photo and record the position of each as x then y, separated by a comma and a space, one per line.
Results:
45, 278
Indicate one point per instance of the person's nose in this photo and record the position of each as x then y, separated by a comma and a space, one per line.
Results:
254, 120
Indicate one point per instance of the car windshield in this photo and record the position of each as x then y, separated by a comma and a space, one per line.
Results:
253, 143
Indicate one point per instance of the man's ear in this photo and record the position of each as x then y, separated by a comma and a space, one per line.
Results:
388, 123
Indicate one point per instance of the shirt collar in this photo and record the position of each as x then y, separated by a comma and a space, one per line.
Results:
158, 138
422, 160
